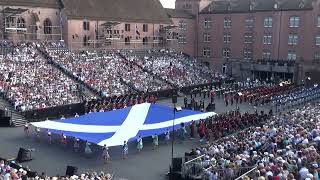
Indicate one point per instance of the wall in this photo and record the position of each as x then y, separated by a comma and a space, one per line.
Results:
31, 23
76, 33
189, 33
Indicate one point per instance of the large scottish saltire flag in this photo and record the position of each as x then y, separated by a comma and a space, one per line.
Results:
114, 127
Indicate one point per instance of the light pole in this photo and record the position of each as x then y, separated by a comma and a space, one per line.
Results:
174, 101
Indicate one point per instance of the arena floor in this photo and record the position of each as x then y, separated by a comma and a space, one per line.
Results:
147, 165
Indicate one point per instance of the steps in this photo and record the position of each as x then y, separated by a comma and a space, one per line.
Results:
17, 118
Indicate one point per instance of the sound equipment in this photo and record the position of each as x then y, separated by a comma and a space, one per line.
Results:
71, 170
5, 121
175, 176
176, 164
174, 99
32, 174
24, 155
211, 107
1, 113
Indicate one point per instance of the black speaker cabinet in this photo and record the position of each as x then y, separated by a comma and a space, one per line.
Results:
71, 170
176, 164
24, 155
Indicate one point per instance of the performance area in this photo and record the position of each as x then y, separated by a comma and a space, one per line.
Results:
133, 90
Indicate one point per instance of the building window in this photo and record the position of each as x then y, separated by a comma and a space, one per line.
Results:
127, 40
226, 38
292, 55
21, 24
248, 23
226, 53
317, 56
266, 55
145, 27
207, 23
227, 23
47, 26
267, 39
182, 39
86, 25
86, 40
294, 21
145, 41
293, 39
182, 25
206, 38
318, 21
248, 38
247, 54
187, 6
267, 22
318, 40
161, 28
127, 27
206, 52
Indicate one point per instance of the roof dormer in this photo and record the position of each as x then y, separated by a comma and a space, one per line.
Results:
210, 7
229, 7
252, 5
301, 4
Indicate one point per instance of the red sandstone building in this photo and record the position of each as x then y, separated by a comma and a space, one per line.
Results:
269, 39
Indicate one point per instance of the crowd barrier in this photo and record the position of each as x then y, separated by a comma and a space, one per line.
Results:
55, 112
249, 173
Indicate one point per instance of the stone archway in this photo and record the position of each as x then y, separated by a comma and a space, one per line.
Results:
47, 29
34, 26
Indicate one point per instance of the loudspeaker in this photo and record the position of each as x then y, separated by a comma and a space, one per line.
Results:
5, 121
71, 170
211, 107
174, 99
24, 155
175, 176
32, 174
176, 164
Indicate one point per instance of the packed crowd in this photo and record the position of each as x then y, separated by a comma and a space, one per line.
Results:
283, 147
29, 82
174, 67
101, 70
10, 173
109, 103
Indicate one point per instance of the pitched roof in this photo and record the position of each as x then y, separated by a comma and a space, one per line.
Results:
176, 13
231, 6
31, 3
147, 11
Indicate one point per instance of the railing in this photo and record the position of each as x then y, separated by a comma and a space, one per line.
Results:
248, 173
193, 168
228, 173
